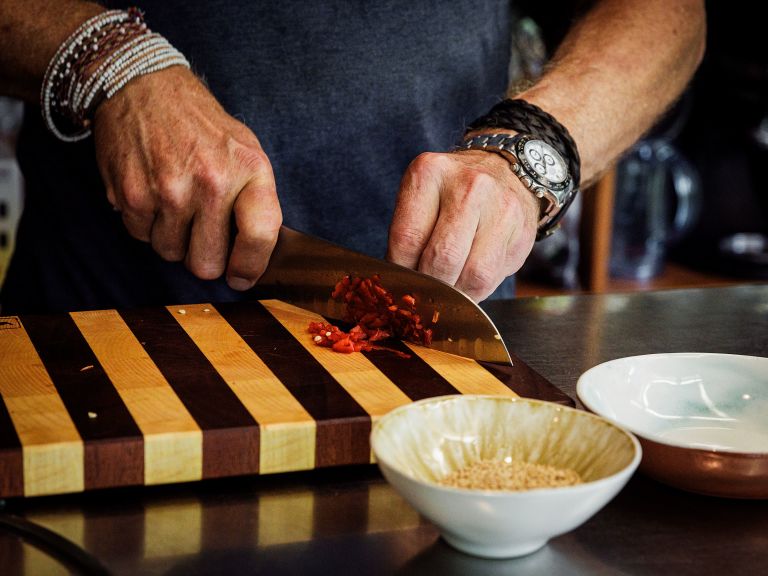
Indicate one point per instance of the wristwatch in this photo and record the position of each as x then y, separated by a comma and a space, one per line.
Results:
541, 152
539, 166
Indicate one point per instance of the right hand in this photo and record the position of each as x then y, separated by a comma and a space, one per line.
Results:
177, 166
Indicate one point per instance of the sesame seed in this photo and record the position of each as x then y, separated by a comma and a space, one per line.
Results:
510, 475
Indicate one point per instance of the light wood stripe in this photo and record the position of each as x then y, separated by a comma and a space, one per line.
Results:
464, 374
51, 446
370, 388
343, 426
173, 442
287, 436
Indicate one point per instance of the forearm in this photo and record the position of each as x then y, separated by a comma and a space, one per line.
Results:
617, 71
30, 33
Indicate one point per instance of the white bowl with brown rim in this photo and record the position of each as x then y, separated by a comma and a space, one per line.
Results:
525, 446
701, 418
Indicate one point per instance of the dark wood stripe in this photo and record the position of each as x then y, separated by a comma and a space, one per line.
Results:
11, 459
343, 426
526, 382
230, 434
413, 375
114, 446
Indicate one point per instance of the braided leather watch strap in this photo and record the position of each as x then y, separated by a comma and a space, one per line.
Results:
524, 117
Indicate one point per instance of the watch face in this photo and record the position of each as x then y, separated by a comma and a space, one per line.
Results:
545, 162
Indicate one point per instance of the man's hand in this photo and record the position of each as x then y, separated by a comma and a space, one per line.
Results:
465, 218
177, 167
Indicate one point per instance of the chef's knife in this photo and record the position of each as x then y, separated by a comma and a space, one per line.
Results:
303, 271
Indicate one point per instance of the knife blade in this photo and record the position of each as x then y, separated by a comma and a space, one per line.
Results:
303, 271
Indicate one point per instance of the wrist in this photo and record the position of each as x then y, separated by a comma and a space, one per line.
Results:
538, 166
540, 150
520, 116
98, 60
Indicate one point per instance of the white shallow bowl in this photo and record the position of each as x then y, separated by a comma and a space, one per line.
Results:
419, 443
702, 419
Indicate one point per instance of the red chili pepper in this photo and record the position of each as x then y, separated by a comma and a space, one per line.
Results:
345, 346
375, 315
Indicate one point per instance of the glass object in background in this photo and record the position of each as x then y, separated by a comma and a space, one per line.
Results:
658, 199
11, 185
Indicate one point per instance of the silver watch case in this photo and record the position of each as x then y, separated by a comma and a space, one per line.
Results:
554, 187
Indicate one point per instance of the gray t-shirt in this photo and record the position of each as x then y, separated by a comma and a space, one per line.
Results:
342, 95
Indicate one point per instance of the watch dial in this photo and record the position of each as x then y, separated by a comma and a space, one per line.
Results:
546, 161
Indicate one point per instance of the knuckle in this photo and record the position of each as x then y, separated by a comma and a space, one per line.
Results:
446, 257
428, 163
481, 276
171, 193
423, 161
173, 202
253, 160
479, 182
261, 229
425, 173
407, 239
134, 200
212, 182
272, 223
255, 239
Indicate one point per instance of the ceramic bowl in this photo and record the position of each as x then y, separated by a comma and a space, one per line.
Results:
418, 444
702, 419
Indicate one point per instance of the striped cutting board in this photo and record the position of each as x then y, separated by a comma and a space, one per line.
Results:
113, 398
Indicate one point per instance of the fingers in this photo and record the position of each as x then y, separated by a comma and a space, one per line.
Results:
171, 226
189, 218
463, 218
504, 238
437, 216
416, 212
130, 197
179, 169
209, 239
258, 218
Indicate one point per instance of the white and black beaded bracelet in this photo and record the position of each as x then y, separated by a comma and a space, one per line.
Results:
94, 63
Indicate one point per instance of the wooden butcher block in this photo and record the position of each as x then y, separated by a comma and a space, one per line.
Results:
153, 396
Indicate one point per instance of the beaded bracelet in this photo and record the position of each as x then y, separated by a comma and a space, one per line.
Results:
94, 63
114, 42
60, 69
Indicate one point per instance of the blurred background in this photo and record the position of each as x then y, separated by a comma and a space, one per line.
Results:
725, 136
11, 185
688, 205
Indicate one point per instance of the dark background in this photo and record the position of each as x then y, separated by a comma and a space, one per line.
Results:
715, 126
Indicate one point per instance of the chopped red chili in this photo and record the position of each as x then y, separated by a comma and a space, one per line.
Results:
376, 316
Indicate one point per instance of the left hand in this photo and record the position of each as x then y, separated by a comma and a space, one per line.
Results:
465, 218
